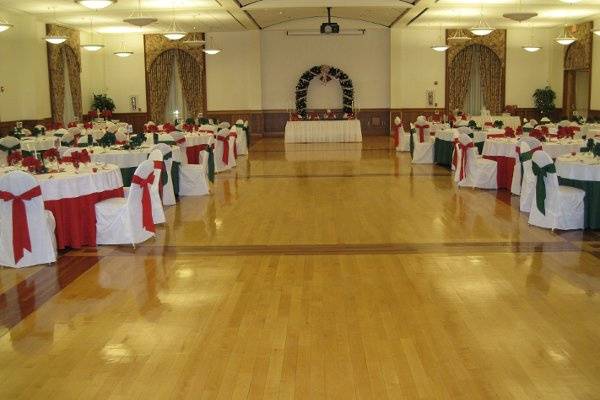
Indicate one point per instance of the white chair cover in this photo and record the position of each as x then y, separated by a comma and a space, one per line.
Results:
69, 138
403, 137
74, 131
527, 181
168, 197
98, 134
9, 142
563, 206
179, 139
241, 140
40, 222
220, 165
423, 151
120, 220
207, 128
158, 212
473, 171
25, 132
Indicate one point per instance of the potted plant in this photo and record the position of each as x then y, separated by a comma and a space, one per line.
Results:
544, 101
103, 105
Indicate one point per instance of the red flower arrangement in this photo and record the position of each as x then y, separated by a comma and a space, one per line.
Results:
150, 128
509, 132
14, 158
32, 164
188, 127
51, 155
169, 128
88, 125
107, 114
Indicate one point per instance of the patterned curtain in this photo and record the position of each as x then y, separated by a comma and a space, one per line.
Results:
492, 77
158, 80
57, 89
460, 72
190, 73
74, 80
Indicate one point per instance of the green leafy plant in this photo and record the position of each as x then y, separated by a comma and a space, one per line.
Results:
103, 102
544, 101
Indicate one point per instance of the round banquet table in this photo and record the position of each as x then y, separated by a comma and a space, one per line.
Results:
72, 198
582, 171
40, 143
128, 161
504, 152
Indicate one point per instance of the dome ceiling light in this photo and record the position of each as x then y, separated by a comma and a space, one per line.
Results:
96, 4
138, 19
92, 46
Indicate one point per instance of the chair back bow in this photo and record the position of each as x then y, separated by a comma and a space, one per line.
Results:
145, 184
20, 227
397, 130
421, 129
509, 132
225, 141
540, 185
464, 151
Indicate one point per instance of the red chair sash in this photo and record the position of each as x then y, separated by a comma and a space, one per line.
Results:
455, 155
464, 148
234, 134
160, 165
397, 129
20, 227
421, 129
225, 140
144, 184
180, 141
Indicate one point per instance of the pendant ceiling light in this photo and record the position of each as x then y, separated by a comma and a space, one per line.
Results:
210, 49
482, 28
195, 38
96, 4
531, 47
596, 32
174, 33
441, 46
570, 1
458, 36
138, 19
55, 39
122, 52
92, 46
565, 38
519, 16
4, 25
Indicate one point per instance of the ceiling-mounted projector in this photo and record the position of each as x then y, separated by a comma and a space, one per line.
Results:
329, 28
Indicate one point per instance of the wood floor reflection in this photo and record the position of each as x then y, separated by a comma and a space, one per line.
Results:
313, 273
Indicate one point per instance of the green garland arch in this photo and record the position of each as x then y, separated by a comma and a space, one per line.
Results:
328, 73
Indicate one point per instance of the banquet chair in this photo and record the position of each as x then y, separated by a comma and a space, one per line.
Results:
193, 180
75, 131
158, 212
98, 134
224, 125
207, 128
532, 144
241, 140
7, 145
527, 181
472, 170
128, 220
25, 132
168, 194
180, 141
554, 206
121, 136
401, 137
111, 127
84, 140
32, 241
423, 146
224, 157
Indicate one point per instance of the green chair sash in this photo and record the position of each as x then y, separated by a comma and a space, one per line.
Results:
540, 185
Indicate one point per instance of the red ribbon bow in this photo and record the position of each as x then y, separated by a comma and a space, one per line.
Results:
397, 134
234, 135
150, 128
463, 162
225, 141
144, 184
509, 132
20, 227
160, 165
421, 129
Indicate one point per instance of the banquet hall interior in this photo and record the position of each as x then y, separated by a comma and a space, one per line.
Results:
299, 199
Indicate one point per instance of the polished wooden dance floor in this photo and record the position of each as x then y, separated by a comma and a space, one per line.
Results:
315, 272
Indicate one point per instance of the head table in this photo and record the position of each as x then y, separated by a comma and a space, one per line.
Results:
323, 131
582, 171
72, 195
504, 152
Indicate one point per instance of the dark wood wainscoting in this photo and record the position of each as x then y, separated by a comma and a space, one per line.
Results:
137, 119
6, 126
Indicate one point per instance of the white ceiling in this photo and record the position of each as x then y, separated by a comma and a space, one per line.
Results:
236, 15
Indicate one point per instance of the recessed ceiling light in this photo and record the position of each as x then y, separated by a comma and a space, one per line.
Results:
56, 39
96, 4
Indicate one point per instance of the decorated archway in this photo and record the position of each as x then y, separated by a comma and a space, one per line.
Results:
325, 74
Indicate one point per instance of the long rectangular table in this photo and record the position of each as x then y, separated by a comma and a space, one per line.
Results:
323, 131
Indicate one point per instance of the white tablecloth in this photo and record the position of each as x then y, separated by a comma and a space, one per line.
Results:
126, 158
323, 131
448, 135
508, 120
508, 147
65, 185
196, 139
581, 167
40, 143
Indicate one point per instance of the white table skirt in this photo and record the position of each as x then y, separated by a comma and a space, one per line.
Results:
196, 139
67, 185
300, 152
508, 147
127, 158
582, 167
508, 120
323, 131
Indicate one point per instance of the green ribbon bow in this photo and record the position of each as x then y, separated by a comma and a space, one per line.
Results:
540, 185
522, 158
211, 164
9, 150
412, 142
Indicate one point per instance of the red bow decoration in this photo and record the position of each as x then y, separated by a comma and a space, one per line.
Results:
144, 184
488, 124
565, 131
32, 163
14, 158
88, 125
544, 129
20, 227
509, 132
421, 129
463, 162
51, 154
519, 130
160, 165
225, 141
455, 155
150, 128
78, 157
397, 129
234, 135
